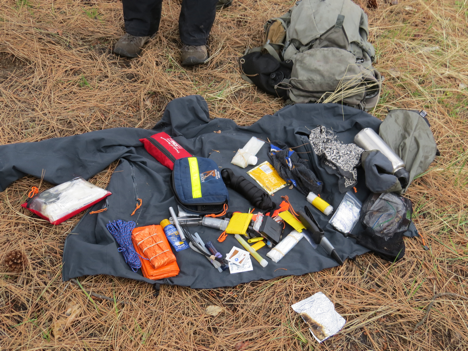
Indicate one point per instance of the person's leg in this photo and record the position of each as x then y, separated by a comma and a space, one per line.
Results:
195, 22
142, 19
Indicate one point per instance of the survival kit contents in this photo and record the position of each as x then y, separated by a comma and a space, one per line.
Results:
271, 228
297, 192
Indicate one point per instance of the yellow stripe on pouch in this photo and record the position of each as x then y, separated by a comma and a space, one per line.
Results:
195, 177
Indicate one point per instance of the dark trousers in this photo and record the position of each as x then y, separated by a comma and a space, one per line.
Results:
142, 18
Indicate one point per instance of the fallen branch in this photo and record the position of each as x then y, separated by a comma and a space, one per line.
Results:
432, 304
98, 296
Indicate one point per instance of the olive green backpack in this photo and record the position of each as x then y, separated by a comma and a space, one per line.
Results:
326, 40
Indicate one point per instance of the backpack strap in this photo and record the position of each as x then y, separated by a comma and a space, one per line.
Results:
339, 21
372, 101
275, 47
267, 47
241, 62
271, 50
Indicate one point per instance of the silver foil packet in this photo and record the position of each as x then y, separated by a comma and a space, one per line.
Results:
320, 315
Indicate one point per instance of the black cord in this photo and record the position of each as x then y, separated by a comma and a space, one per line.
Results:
256, 196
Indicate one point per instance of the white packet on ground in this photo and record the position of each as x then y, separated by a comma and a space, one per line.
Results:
237, 256
320, 315
239, 261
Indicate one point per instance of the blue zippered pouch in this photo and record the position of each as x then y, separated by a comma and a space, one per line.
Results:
198, 185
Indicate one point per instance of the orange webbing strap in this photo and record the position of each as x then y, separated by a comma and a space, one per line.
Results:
225, 209
34, 191
98, 211
140, 202
222, 237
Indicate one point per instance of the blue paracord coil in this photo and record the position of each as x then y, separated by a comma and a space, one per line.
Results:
122, 233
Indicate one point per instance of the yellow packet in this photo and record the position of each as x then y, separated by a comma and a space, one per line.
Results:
239, 223
258, 245
292, 221
267, 177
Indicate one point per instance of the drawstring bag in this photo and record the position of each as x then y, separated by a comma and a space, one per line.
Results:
266, 72
256, 196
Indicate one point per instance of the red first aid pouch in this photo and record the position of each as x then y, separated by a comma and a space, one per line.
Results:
164, 149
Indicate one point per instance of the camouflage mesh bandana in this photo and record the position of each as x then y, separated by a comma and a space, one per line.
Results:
336, 157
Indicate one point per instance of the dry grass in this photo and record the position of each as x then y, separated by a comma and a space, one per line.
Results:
58, 77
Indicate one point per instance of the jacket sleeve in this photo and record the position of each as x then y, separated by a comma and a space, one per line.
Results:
62, 159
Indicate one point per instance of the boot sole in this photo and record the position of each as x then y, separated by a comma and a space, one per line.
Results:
193, 61
124, 53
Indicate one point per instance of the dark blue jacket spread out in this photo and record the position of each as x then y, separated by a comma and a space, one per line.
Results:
90, 249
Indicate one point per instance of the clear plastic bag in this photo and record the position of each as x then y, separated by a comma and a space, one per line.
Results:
347, 214
65, 200
387, 214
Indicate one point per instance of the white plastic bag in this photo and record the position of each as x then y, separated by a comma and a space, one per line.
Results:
65, 200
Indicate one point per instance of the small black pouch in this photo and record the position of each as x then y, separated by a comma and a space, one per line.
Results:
385, 217
271, 229
263, 70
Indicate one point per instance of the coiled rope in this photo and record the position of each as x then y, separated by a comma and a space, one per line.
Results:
122, 233
256, 196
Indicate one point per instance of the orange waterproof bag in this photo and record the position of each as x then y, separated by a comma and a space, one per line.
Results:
151, 243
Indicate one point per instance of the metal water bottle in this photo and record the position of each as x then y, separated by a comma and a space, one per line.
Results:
370, 140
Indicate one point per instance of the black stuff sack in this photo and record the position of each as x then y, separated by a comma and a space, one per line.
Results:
198, 186
266, 72
386, 217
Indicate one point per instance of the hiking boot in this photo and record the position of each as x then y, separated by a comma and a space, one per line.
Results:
129, 45
193, 55
223, 4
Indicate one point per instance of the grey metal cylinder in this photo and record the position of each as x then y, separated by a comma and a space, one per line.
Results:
216, 223
370, 140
